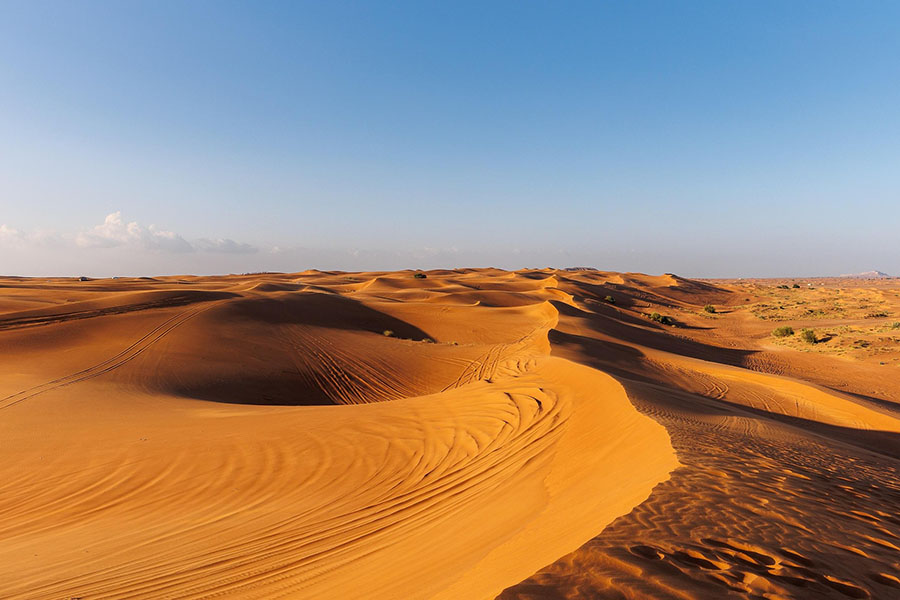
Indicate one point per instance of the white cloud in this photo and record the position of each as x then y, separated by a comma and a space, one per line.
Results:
225, 246
9, 236
116, 232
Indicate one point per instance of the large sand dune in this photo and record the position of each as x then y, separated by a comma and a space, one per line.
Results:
470, 434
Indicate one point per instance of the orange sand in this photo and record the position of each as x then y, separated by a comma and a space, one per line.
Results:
473, 433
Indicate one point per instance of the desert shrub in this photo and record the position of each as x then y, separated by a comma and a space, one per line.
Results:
782, 287
796, 286
808, 336
388, 333
420, 276
662, 319
876, 315
783, 331
428, 340
609, 299
709, 308
895, 325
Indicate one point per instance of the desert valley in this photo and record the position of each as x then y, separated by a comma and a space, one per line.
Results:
453, 434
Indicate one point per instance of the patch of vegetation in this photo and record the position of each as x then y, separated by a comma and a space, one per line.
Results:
796, 286
876, 315
710, 308
783, 331
609, 299
428, 340
782, 287
663, 319
895, 325
420, 275
388, 333
808, 336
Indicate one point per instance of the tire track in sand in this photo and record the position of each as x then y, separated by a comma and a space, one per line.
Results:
114, 362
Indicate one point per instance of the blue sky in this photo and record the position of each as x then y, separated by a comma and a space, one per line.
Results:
702, 138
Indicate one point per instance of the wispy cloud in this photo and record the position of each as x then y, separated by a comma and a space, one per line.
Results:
116, 232
225, 246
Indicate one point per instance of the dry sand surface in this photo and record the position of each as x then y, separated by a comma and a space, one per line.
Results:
473, 434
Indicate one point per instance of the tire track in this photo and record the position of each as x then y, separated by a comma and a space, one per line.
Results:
114, 362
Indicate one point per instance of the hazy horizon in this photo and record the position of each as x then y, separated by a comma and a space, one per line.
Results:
706, 139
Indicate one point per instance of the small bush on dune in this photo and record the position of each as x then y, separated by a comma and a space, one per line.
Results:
796, 286
663, 319
609, 299
388, 333
808, 336
420, 276
709, 308
895, 325
783, 331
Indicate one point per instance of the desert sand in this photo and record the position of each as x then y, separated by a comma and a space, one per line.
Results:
469, 434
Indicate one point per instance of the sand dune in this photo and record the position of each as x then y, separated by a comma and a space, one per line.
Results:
468, 434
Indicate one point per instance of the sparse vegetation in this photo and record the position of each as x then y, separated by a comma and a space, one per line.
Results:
420, 275
388, 333
876, 315
895, 325
609, 299
782, 287
784, 331
796, 286
663, 319
710, 308
808, 336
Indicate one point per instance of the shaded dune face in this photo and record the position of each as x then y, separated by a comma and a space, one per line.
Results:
304, 348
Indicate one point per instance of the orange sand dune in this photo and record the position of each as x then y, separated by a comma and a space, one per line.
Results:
469, 434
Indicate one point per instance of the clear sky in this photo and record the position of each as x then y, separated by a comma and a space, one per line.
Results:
702, 138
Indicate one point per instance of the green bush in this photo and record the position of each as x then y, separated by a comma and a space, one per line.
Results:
662, 319
808, 336
895, 325
420, 276
709, 308
796, 286
609, 299
784, 331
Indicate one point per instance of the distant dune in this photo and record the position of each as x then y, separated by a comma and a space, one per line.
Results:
460, 434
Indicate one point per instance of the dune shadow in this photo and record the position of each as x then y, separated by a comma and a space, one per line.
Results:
623, 326
284, 350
